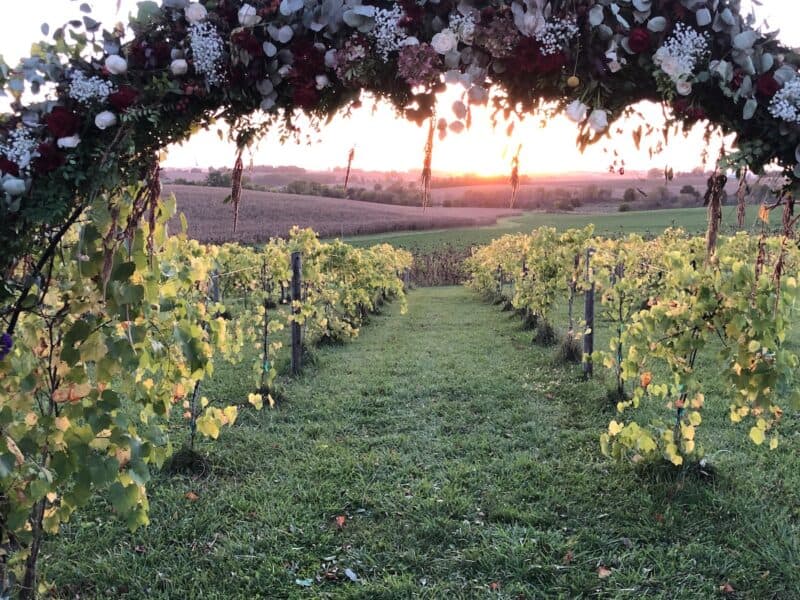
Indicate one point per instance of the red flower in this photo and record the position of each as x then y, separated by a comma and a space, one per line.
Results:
248, 42
9, 167
639, 40
305, 96
62, 122
767, 86
528, 58
162, 53
49, 159
123, 98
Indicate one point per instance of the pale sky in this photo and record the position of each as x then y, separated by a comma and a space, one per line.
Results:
385, 142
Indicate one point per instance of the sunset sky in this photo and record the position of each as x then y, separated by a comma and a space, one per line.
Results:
385, 142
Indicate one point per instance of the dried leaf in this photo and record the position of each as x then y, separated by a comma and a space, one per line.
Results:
603, 572
191, 496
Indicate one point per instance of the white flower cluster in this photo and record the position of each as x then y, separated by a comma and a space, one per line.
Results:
387, 33
20, 148
88, 89
679, 55
785, 103
207, 51
463, 26
555, 35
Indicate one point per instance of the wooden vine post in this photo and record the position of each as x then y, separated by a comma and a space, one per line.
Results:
297, 338
588, 315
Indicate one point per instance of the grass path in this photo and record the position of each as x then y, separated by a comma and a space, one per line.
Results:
464, 465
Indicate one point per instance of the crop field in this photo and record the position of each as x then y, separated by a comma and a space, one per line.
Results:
646, 223
263, 215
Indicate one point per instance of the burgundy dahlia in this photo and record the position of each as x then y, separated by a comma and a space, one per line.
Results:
639, 40
305, 96
9, 167
123, 98
50, 158
767, 86
245, 39
62, 122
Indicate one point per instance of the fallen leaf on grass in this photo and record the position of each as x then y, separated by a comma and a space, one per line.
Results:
340, 520
603, 572
191, 496
726, 588
494, 586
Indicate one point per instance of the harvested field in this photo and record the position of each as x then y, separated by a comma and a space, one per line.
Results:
264, 214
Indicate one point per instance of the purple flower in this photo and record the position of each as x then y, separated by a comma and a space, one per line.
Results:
419, 64
6, 343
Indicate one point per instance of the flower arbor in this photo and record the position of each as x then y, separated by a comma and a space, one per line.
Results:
84, 248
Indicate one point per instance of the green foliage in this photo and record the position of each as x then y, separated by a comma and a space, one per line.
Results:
669, 307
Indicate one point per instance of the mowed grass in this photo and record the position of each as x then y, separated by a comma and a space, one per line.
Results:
646, 223
440, 455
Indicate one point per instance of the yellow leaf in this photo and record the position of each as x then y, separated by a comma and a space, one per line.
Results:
62, 423
695, 418
688, 446
697, 402
31, 419
614, 428
757, 435
256, 400
763, 213
230, 412
773, 443
148, 384
688, 432
271, 401
208, 426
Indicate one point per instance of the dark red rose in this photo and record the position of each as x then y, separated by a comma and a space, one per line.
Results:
50, 158
123, 98
245, 39
680, 106
9, 167
412, 13
162, 53
767, 86
639, 40
305, 96
551, 63
62, 122
137, 54
738, 78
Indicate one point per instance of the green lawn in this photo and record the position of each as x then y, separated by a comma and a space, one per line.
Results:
465, 464
650, 222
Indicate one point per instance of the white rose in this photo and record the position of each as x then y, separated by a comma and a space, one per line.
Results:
598, 120
179, 66
576, 111
105, 119
322, 81
195, 13
116, 65
684, 88
673, 68
444, 41
14, 186
69, 142
248, 16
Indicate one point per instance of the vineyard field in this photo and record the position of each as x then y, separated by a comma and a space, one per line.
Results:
264, 215
649, 222
449, 458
